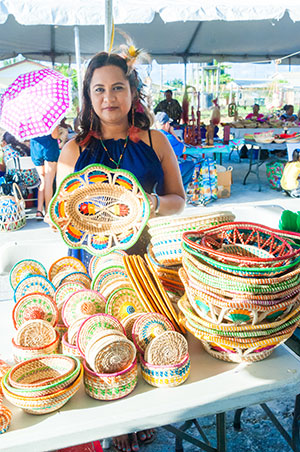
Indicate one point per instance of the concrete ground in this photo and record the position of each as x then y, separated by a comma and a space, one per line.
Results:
258, 434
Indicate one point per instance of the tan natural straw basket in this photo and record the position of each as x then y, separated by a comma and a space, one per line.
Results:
168, 348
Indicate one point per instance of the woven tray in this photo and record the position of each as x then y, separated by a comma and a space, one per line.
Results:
33, 284
147, 327
123, 302
110, 386
169, 348
35, 306
82, 303
23, 268
166, 376
69, 263
94, 325
100, 209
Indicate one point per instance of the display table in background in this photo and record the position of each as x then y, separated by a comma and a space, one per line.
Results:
240, 133
216, 151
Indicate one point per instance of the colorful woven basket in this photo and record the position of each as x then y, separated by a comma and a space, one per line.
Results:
23, 268
33, 284
244, 243
22, 353
100, 209
35, 306
68, 263
147, 327
84, 302
166, 376
169, 348
5, 418
69, 349
110, 386
45, 404
123, 302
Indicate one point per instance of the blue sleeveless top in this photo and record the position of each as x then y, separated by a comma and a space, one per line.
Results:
138, 158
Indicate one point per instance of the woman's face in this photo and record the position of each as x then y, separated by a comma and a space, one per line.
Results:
111, 95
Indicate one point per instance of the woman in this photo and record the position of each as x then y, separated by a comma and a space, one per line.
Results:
44, 154
114, 131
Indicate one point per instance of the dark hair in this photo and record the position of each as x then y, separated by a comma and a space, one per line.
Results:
89, 121
256, 105
20, 147
296, 155
169, 91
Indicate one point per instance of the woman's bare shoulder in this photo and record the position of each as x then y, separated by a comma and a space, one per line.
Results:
70, 152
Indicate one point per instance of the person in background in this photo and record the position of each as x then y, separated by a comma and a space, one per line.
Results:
44, 154
289, 114
291, 175
170, 106
255, 114
13, 148
186, 165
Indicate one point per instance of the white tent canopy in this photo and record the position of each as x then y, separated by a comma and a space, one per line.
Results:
170, 30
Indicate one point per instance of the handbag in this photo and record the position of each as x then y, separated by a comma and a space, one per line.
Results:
12, 210
204, 186
30, 176
274, 172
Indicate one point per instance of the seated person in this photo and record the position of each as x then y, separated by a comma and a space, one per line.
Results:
255, 114
162, 123
289, 114
291, 175
170, 106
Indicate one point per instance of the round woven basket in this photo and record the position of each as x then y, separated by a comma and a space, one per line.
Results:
33, 284
78, 277
166, 376
5, 418
169, 348
147, 327
21, 353
42, 376
94, 325
23, 268
110, 386
69, 263
35, 333
35, 306
69, 349
97, 263
45, 404
109, 273
128, 323
110, 353
123, 302
84, 302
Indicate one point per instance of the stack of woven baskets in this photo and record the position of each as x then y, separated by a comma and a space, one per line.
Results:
43, 384
165, 252
164, 356
242, 284
110, 366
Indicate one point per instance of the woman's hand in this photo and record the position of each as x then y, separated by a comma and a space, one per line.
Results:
49, 222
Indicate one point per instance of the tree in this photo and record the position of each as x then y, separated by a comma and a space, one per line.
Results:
71, 73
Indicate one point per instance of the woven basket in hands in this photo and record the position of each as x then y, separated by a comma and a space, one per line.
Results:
100, 209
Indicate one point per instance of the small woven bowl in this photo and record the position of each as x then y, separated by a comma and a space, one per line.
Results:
110, 386
69, 349
39, 373
167, 349
35, 333
35, 306
5, 418
46, 404
166, 376
21, 353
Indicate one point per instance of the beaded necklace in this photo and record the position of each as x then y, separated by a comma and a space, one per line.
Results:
121, 155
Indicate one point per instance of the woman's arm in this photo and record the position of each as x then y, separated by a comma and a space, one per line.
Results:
173, 200
67, 160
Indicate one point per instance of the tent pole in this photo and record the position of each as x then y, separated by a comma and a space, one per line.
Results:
78, 63
108, 24
184, 62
